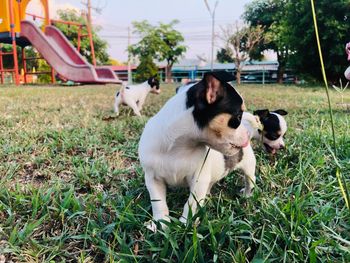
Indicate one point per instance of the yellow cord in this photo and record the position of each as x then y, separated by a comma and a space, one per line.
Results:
341, 181
324, 75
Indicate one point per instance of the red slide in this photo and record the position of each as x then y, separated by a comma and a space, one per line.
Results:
63, 57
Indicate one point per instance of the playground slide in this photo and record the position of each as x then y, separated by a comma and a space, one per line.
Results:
63, 57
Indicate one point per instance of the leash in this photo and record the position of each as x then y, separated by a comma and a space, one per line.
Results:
205, 159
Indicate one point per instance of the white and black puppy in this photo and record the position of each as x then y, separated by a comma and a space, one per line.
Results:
195, 140
267, 127
135, 95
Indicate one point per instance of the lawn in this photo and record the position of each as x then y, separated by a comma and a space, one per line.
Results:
72, 188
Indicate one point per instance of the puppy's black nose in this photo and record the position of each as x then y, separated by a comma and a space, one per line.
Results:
282, 147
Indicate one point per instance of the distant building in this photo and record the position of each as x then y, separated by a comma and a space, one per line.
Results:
252, 72
193, 69
122, 71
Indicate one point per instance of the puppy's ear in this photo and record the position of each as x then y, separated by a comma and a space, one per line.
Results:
281, 112
214, 89
244, 108
263, 114
223, 76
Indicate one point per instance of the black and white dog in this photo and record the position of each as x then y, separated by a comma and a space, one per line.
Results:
195, 140
267, 127
135, 95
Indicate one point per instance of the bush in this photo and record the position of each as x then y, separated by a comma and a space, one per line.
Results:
146, 69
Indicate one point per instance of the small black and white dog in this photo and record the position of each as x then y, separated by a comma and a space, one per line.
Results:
267, 127
135, 95
195, 140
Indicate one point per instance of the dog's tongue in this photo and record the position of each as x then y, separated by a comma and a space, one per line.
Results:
349, 56
245, 144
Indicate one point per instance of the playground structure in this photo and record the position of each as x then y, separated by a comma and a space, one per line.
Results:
50, 42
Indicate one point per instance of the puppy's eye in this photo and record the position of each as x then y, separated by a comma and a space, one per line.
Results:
234, 122
272, 136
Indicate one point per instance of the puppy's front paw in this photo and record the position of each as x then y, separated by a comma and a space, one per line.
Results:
246, 192
150, 225
183, 220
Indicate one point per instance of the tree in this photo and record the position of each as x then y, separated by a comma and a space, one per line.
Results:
162, 43
8, 62
171, 49
334, 26
239, 42
270, 14
114, 62
289, 26
146, 69
223, 57
71, 32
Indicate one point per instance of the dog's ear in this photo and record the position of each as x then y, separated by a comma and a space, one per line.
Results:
222, 75
244, 108
263, 114
214, 88
281, 112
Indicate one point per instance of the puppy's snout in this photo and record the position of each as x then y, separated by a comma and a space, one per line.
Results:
282, 146
155, 91
245, 138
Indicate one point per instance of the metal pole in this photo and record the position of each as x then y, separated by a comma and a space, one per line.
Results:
47, 12
13, 37
24, 65
90, 33
212, 45
213, 37
263, 76
79, 38
1, 67
212, 15
53, 80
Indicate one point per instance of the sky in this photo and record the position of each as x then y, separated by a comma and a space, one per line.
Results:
115, 16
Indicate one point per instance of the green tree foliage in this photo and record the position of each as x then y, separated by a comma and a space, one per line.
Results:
71, 32
8, 60
289, 27
146, 69
223, 57
162, 43
270, 15
42, 67
334, 29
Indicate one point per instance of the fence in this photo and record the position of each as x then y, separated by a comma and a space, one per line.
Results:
254, 77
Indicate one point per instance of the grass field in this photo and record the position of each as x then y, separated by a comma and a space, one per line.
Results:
72, 189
